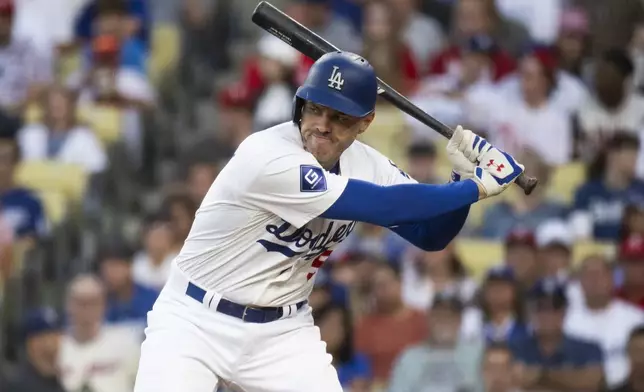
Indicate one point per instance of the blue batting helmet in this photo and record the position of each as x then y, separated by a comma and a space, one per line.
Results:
342, 81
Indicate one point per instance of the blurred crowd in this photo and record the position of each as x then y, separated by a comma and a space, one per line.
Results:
117, 115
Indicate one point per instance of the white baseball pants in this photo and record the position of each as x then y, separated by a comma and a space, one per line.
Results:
190, 347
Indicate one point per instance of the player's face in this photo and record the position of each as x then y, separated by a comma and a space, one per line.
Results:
326, 133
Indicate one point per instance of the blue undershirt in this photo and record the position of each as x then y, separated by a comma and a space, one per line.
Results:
428, 216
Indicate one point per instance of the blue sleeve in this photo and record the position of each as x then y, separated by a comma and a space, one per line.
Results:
436, 233
400, 204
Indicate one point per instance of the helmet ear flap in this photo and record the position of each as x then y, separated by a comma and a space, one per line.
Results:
298, 104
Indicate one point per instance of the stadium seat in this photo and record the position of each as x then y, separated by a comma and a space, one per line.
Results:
584, 249
55, 205
104, 120
166, 48
387, 134
565, 181
67, 179
479, 255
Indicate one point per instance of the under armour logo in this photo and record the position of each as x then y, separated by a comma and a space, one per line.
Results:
336, 81
498, 167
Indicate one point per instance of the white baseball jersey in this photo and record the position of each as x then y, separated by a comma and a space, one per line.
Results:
256, 238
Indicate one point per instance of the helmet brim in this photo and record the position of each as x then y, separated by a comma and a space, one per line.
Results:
333, 100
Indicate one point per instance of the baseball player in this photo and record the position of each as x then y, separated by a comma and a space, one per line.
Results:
234, 311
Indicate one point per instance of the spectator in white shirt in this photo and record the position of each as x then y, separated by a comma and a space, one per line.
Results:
615, 105
151, 266
94, 356
459, 96
422, 34
60, 137
539, 17
568, 94
604, 320
24, 72
277, 62
534, 120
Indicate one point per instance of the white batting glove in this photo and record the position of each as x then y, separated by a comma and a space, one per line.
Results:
496, 172
470, 144
462, 168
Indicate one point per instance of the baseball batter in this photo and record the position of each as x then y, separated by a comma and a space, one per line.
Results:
234, 310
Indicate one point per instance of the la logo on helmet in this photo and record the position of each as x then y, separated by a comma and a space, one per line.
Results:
336, 81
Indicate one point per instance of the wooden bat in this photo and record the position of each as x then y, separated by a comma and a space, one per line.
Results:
276, 22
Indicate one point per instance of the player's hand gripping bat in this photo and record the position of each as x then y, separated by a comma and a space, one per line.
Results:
310, 44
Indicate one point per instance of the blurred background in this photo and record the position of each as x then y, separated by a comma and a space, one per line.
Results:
117, 115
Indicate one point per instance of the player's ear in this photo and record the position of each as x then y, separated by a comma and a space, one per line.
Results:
366, 121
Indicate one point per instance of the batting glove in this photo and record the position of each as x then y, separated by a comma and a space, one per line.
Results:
496, 172
462, 168
470, 144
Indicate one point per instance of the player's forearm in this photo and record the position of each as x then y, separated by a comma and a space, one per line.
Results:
400, 204
434, 234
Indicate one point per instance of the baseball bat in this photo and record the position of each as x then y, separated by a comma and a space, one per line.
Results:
276, 22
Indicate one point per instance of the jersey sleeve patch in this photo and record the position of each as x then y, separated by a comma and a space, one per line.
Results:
312, 179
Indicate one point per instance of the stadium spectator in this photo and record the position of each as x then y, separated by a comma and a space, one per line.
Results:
391, 327
385, 48
555, 242
498, 369
94, 356
636, 52
151, 266
460, 96
61, 137
614, 108
604, 319
6, 250
600, 202
550, 359
21, 209
425, 274
201, 175
181, 209
236, 103
129, 18
501, 318
541, 18
611, 21
421, 162
480, 17
128, 302
354, 369
24, 70
355, 272
523, 211
633, 220
635, 379
445, 361
41, 330
420, 33
566, 93
530, 119
277, 62
631, 261
521, 257
318, 16
573, 43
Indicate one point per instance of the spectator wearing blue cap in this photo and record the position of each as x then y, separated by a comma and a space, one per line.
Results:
502, 313
550, 359
41, 330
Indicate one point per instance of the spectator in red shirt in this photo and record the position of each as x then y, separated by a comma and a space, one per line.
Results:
631, 260
391, 327
384, 46
480, 17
